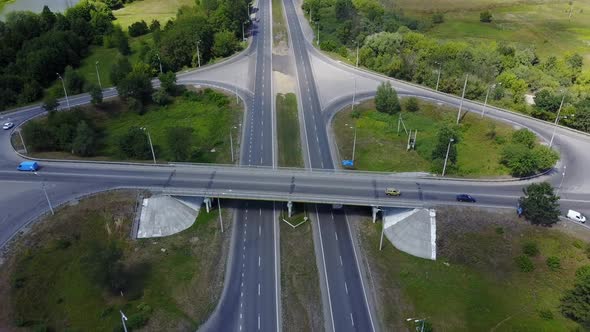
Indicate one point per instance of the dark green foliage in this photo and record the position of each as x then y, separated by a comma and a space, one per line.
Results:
386, 99
95, 94
155, 25
485, 16
120, 69
438, 18
530, 249
524, 137
50, 103
160, 97
524, 263
575, 304
412, 105
524, 158
224, 44
540, 204
134, 144
583, 272
180, 140
137, 84
135, 105
546, 314
84, 143
168, 82
74, 81
138, 29
553, 263
444, 136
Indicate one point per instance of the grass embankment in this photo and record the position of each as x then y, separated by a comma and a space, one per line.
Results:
210, 121
288, 131
279, 25
62, 275
380, 148
475, 284
544, 24
149, 10
301, 303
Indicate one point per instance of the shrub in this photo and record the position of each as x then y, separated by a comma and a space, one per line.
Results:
524, 137
485, 16
524, 263
530, 249
583, 272
546, 314
438, 18
412, 104
160, 97
554, 263
138, 29
386, 99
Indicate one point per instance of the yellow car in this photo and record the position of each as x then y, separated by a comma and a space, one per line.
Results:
392, 192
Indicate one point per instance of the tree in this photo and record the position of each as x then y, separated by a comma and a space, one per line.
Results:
160, 97
134, 144
547, 101
575, 304
137, 84
224, 43
444, 136
138, 29
412, 104
95, 94
485, 16
155, 25
179, 141
50, 103
74, 81
120, 69
168, 82
540, 204
524, 137
84, 143
386, 99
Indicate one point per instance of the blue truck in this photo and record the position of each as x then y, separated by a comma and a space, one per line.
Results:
28, 166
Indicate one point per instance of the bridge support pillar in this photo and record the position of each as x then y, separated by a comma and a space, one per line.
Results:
375, 210
290, 208
207, 202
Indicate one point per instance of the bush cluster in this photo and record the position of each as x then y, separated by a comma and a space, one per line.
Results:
524, 158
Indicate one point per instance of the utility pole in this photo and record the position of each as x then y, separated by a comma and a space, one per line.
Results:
65, 92
318, 25
354, 144
382, 231
219, 209
562, 178
231, 143
159, 61
462, 98
47, 197
357, 53
447, 156
97, 74
439, 71
556, 121
243, 35
198, 53
485, 103
150, 140
354, 94
123, 319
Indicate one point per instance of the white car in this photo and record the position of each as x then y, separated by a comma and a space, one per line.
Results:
576, 216
7, 125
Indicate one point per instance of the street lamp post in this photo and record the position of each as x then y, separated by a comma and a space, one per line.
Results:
198, 53
556, 121
47, 197
485, 103
219, 209
123, 319
97, 74
159, 61
231, 142
357, 53
150, 141
447, 156
354, 144
354, 94
318, 25
243, 35
562, 178
462, 98
65, 92
438, 78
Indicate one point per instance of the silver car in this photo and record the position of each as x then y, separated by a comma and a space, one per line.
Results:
7, 125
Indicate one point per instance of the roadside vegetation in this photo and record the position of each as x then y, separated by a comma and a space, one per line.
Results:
75, 271
493, 271
289, 141
279, 24
149, 10
480, 147
301, 303
537, 52
194, 126
37, 46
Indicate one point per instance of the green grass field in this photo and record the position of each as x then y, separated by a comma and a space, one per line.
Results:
543, 24
210, 122
288, 131
380, 148
49, 281
301, 303
475, 285
279, 26
149, 10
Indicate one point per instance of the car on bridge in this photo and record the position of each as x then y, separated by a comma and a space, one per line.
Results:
392, 192
465, 198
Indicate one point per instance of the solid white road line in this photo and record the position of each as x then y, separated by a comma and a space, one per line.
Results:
341, 260
258, 289
258, 261
325, 270
346, 287
351, 319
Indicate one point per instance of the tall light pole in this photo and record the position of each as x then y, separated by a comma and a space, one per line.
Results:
123, 319
462, 98
231, 142
485, 103
97, 74
47, 197
438, 78
243, 35
357, 53
219, 209
159, 61
150, 141
65, 92
556, 121
354, 94
198, 53
318, 25
447, 156
353, 140
562, 178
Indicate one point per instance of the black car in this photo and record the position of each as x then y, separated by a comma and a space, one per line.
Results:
465, 198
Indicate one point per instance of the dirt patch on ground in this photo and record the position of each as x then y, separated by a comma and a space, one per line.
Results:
280, 47
283, 83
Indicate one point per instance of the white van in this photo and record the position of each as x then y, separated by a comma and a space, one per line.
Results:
576, 216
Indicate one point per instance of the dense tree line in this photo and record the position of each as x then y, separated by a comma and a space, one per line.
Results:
392, 44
